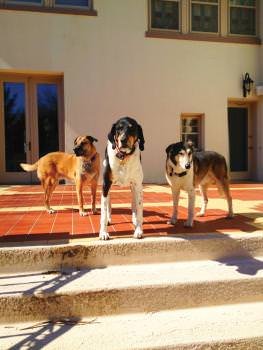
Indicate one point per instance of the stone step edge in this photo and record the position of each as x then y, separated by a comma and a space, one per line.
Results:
123, 300
130, 251
220, 327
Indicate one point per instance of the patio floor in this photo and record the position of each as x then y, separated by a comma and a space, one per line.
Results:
23, 219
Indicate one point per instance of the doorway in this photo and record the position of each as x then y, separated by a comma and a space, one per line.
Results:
30, 123
240, 142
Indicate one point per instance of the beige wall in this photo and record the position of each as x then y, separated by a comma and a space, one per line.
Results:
111, 69
260, 106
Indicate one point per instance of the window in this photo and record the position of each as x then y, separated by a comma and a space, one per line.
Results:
165, 14
61, 6
26, 2
242, 17
204, 16
71, 3
208, 20
191, 129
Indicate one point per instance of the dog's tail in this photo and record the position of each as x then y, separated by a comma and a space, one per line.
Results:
29, 167
224, 179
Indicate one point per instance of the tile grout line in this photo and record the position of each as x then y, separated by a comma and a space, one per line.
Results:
8, 231
55, 216
72, 213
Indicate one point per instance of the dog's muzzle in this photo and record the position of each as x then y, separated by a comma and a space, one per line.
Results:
124, 141
78, 151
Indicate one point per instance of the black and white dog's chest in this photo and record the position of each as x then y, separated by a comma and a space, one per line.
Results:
124, 172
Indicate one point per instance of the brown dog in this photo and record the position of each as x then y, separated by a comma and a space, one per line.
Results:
83, 167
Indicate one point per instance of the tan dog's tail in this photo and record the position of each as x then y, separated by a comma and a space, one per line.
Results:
29, 167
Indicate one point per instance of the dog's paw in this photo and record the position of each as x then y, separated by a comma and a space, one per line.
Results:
200, 214
230, 216
172, 221
83, 213
138, 233
104, 236
188, 224
51, 211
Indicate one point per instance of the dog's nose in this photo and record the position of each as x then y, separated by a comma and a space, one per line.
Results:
187, 165
78, 150
124, 139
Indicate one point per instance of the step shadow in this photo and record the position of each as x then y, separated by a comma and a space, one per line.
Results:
248, 266
61, 278
41, 334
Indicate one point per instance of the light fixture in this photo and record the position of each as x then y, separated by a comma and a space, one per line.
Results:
247, 84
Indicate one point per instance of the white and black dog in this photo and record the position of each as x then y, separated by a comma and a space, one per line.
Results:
186, 169
122, 166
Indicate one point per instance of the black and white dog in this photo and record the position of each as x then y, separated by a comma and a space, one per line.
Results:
122, 167
186, 169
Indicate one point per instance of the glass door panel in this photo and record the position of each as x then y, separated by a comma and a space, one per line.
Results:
30, 123
15, 125
47, 109
239, 128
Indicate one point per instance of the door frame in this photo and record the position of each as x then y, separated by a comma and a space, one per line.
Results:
31, 120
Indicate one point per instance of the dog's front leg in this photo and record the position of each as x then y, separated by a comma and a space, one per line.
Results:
105, 207
175, 194
191, 208
104, 235
94, 183
137, 208
79, 188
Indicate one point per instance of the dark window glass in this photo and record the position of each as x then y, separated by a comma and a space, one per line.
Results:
15, 125
82, 3
47, 104
165, 14
29, 2
238, 139
191, 130
243, 21
243, 2
204, 17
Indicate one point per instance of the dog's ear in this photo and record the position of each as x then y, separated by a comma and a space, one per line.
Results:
168, 149
190, 146
141, 138
91, 139
111, 136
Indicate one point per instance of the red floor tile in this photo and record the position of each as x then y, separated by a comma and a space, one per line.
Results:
23, 223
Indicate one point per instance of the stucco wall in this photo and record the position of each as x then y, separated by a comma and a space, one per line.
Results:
111, 69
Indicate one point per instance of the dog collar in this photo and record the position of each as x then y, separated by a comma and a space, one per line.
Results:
87, 165
180, 174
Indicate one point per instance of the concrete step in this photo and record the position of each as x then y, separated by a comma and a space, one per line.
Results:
208, 328
129, 289
130, 251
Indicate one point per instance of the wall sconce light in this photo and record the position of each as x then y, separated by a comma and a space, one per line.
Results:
247, 84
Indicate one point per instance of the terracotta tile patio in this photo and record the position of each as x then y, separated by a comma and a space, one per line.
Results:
23, 219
